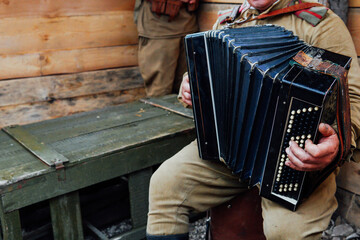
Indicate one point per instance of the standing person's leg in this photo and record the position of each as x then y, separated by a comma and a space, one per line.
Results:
181, 67
158, 59
310, 219
186, 183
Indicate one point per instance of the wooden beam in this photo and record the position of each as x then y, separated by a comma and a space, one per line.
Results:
24, 35
10, 224
138, 193
34, 112
67, 61
66, 217
22, 8
51, 88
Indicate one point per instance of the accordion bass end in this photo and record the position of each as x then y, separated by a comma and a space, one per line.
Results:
250, 99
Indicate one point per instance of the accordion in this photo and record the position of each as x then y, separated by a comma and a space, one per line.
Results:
250, 98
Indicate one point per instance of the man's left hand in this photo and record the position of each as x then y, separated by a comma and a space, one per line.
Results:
314, 156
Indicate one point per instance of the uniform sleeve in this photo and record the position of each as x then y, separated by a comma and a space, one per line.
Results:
333, 35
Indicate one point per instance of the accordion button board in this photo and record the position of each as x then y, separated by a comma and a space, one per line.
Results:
250, 100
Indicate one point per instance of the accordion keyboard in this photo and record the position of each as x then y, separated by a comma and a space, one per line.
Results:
301, 124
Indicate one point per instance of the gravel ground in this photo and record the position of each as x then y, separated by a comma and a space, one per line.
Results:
338, 229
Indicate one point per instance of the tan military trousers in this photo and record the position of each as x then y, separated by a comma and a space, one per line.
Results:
162, 64
187, 183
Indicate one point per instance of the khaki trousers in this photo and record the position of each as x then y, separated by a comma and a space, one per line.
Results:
186, 183
162, 64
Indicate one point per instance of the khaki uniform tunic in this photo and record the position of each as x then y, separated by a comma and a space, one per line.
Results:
186, 183
161, 53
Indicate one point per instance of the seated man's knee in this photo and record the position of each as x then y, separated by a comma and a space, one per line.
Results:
165, 182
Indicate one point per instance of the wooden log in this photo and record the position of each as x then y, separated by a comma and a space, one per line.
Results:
67, 61
34, 112
24, 35
50, 88
22, 8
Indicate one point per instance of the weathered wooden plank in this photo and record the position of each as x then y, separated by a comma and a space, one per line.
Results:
22, 8
29, 113
138, 193
354, 27
128, 136
50, 88
37, 34
173, 106
67, 61
47, 186
88, 59
10, 224
97, 120
66, 217
11, 162
36, 146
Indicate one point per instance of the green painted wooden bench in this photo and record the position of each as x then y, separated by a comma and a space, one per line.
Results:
52, 160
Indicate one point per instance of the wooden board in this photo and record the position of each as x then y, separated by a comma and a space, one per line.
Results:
23, 35
34, 112
67, 61
51, 88
22, 8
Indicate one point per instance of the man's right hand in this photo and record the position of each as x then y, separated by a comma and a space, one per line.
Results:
185, 91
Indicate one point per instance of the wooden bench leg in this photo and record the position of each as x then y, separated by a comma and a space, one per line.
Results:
10, 224
139, 194
66, 217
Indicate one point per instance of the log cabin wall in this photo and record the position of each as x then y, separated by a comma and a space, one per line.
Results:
60, 57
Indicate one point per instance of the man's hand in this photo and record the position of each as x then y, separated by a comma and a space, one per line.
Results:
315, 156
185, 91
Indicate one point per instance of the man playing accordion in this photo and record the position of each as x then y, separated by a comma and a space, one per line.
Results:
186, 183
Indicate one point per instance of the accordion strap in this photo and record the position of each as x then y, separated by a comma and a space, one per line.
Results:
290, 9
343, 103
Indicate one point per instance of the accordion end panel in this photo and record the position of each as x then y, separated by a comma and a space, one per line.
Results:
300, 110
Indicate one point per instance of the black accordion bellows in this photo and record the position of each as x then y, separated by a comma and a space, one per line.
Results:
249, 101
